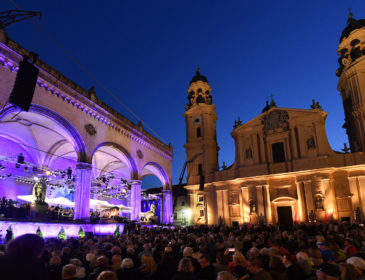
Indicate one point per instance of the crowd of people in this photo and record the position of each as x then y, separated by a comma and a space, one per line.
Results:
306, 251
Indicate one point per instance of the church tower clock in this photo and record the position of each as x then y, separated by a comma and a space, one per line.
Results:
351, 82
201, 140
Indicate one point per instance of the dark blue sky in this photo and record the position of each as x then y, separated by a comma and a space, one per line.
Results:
146, 52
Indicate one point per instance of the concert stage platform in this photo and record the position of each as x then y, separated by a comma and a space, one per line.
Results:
51, 229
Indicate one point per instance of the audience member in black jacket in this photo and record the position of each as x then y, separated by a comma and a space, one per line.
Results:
207, 271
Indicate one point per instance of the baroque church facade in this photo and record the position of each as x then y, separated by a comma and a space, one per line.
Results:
284, 170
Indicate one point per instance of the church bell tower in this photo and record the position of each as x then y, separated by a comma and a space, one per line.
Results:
351, 82
201, 139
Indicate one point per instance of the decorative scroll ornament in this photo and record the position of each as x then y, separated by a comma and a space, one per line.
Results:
90, 129
276, 120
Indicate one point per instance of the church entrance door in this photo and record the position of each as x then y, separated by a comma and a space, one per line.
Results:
285, 217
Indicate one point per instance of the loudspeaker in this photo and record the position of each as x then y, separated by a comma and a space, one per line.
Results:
24, 85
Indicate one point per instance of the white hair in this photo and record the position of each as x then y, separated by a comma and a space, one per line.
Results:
127, 263
188, 252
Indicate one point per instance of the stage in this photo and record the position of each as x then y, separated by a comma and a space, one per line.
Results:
52, 229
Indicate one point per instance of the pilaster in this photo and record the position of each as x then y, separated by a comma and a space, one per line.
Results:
135, 201
82, 191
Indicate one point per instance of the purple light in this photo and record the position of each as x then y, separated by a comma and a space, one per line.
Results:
50, 230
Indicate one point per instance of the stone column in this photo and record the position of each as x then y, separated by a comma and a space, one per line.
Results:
135, 201
192, 205
260, 201
355, 198
227, 217
268, 214
220, 209
167, 207
361, 182
82, 191
301, 215
308, 196
245, 202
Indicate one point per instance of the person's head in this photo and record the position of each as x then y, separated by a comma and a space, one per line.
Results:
225, 275
127, 263
253, 252
130, 251
302, 256
116, 250
222, 258
324, 245
76, 262
204, 260
30, 245
347, 242
327, 271
66, 251
55, 261
149, 264
107, 275
239, 259
117, 260
188, 252
102, 262
68, 271
254, 265
90, 257
276, 263
349, 271
358, 262
185, 265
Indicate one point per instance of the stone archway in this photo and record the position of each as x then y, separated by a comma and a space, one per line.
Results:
46, 140
153, 168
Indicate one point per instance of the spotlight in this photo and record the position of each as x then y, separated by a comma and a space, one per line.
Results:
48, 172
69, 172
35, 169
26, 169
35, 178
20, 158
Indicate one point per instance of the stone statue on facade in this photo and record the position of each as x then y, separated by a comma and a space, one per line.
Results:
253, 208
319, 202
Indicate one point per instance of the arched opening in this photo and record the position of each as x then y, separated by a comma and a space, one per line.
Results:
113, 174
34, 145
154, 181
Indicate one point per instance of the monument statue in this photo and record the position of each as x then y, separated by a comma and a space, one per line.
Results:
39, 192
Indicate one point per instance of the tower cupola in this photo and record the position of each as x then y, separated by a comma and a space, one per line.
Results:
199, 91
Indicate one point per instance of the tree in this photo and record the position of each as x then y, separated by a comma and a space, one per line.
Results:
117, 231
81, 233
9, 234
39, 232
62, 234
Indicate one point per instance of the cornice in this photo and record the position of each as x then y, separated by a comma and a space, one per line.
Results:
54, 83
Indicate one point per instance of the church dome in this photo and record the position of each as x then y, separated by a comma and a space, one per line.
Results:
352, 24
198, 77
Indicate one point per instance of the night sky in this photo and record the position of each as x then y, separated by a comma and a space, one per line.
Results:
146, 52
